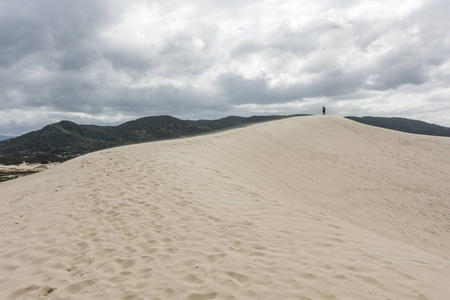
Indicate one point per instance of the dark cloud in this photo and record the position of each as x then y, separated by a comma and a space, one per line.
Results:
397, 68
239, 90
100, 61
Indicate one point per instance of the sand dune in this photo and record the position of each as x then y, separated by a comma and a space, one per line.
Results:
313, 207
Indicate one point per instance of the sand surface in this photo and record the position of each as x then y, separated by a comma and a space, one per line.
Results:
315, 207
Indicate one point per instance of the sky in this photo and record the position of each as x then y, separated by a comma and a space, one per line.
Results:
105, 62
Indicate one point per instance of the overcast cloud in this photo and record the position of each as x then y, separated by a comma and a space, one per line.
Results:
109, 61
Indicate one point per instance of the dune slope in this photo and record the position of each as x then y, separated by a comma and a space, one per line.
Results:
313, 207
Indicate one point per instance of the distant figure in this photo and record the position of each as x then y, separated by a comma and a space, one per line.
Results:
323, 110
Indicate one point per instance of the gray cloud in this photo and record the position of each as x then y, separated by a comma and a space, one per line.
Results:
111, 61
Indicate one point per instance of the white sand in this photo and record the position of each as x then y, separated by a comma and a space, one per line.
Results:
305, 208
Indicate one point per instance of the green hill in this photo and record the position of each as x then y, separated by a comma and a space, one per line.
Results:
404, 125
64, 140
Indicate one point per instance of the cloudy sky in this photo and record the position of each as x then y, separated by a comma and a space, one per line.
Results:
109, 61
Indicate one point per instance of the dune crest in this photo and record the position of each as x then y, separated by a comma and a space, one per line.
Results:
313, 207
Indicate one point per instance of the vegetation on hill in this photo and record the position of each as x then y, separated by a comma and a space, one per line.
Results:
405, 125
64, 140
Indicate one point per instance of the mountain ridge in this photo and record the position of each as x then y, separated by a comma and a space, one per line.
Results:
64, 140
404, 125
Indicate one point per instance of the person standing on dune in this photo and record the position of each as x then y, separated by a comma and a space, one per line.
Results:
323, 110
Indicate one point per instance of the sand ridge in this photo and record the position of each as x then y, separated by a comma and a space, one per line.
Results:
313, 207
